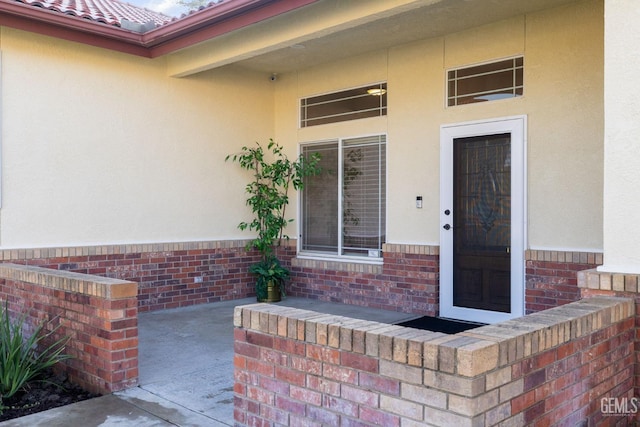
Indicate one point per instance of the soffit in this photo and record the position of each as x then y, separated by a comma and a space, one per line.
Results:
315, 34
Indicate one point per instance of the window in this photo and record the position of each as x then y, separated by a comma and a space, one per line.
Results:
343, 208
359, 103
487, 82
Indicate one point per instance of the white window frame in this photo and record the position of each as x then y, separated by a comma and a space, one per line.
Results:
320, 255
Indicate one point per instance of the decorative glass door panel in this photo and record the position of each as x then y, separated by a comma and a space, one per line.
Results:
482, 222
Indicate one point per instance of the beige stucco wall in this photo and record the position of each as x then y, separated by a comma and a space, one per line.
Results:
622, 127
101, 147
563, 102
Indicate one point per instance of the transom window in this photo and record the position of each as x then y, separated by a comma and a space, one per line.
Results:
486, 82
358, 103
343, 208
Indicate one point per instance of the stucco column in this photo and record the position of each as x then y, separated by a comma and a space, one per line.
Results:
621, 221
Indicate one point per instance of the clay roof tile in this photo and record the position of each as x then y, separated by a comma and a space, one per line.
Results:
110, 12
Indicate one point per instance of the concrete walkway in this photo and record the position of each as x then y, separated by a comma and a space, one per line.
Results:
186, 370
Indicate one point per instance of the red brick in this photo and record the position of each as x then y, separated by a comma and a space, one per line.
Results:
533, 412
289, 346
255, 421
259, 367
239, 389
323, 354
545, 359
350, 422
341, 406
303, 421
290, 376
239, 334
359, 361
375, 382
260, 395
378, 417
534, 379
246, 349
340, 374
308, 366
289, 405
323, 415
305, 395
274, 414
522, 402
323, 385
358, 395
239, 362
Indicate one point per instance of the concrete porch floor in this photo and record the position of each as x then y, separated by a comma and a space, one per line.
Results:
186, 369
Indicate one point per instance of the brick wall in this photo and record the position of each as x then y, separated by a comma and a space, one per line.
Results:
407, 280
99, 315
595, 283
295, 367
168, 274
551, 277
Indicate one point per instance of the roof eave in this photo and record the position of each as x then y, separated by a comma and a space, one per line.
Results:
50, 23
179, 34
215, 21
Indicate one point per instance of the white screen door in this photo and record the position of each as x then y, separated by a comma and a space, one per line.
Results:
482, 220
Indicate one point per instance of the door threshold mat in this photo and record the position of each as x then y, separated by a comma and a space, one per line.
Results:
440, 324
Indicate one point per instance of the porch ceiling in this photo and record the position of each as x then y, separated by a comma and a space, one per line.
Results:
331, 30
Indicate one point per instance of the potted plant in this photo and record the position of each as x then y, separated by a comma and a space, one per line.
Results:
273, 173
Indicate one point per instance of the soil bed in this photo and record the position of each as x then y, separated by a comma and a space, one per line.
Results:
39, 396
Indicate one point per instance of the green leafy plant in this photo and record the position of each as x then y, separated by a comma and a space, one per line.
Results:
21, 358
273, 174
269, 270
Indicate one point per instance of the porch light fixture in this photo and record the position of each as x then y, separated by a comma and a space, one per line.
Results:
376, 91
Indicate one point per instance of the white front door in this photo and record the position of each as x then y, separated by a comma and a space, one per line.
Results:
482, 220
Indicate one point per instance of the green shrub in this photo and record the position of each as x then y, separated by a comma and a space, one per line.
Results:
21, 358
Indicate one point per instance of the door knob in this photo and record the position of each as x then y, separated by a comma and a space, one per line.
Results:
446, 227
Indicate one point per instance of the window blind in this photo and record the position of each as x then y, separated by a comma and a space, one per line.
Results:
363, 194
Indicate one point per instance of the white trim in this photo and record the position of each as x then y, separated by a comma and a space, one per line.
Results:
325, 256
312, 256
517, 127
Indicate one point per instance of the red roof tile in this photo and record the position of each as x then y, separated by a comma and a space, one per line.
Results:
110, 12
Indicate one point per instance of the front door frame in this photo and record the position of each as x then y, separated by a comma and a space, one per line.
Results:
517, 127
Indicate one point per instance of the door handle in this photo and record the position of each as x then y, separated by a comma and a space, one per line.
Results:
446, 227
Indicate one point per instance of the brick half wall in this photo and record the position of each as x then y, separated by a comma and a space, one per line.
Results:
407, 278
100, 315
552, 277
169, 275
296, 367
